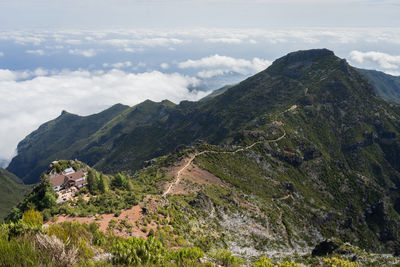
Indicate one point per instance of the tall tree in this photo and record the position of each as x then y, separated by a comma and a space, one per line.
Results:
92, 182
103, 184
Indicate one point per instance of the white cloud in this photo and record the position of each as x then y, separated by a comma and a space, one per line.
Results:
129, 50
23, 37
83, 52
118, 65
224, 64
27, 103
394, 73
206, 74
7, 75
38, 52
72, 41
164, 66
146, 42
383, 60
224, 40
159, 41
1, 54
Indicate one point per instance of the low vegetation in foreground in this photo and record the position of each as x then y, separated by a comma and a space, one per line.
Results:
95, 228
30, 243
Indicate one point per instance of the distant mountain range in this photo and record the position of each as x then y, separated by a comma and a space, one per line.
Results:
386, 86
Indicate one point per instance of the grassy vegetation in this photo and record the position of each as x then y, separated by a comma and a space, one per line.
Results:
73, 244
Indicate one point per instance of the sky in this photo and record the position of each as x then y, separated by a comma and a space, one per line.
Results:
84, 56
101, 14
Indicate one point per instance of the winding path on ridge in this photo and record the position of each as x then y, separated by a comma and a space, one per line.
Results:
179, 173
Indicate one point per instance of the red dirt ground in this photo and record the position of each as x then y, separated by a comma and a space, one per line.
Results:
131, 215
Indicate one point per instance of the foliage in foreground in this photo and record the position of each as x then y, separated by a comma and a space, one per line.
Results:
27, 243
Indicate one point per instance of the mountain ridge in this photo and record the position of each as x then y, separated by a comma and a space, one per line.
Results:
206, 115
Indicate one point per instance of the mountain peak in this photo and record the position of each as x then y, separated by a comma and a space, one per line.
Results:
297, 63
305, 55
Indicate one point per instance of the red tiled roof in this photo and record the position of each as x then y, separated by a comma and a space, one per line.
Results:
76, 175
58, 180
62, 179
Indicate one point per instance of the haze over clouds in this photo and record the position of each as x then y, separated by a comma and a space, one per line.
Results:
194, 13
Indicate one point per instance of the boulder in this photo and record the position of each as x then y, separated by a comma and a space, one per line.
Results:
202, 201
324, 248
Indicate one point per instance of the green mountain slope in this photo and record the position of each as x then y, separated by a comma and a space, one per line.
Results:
339, 160
386, 86
302, 151
12, 190
216, 93
56, 139
106, 143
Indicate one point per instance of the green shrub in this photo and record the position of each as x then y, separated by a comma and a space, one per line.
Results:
151, 233
32, 217
40, 198
18, 229
138, 251
126, 224
337, 262
22, 252
119, 181
72, 233
226, 258
186, 255
263, 262
112, 224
